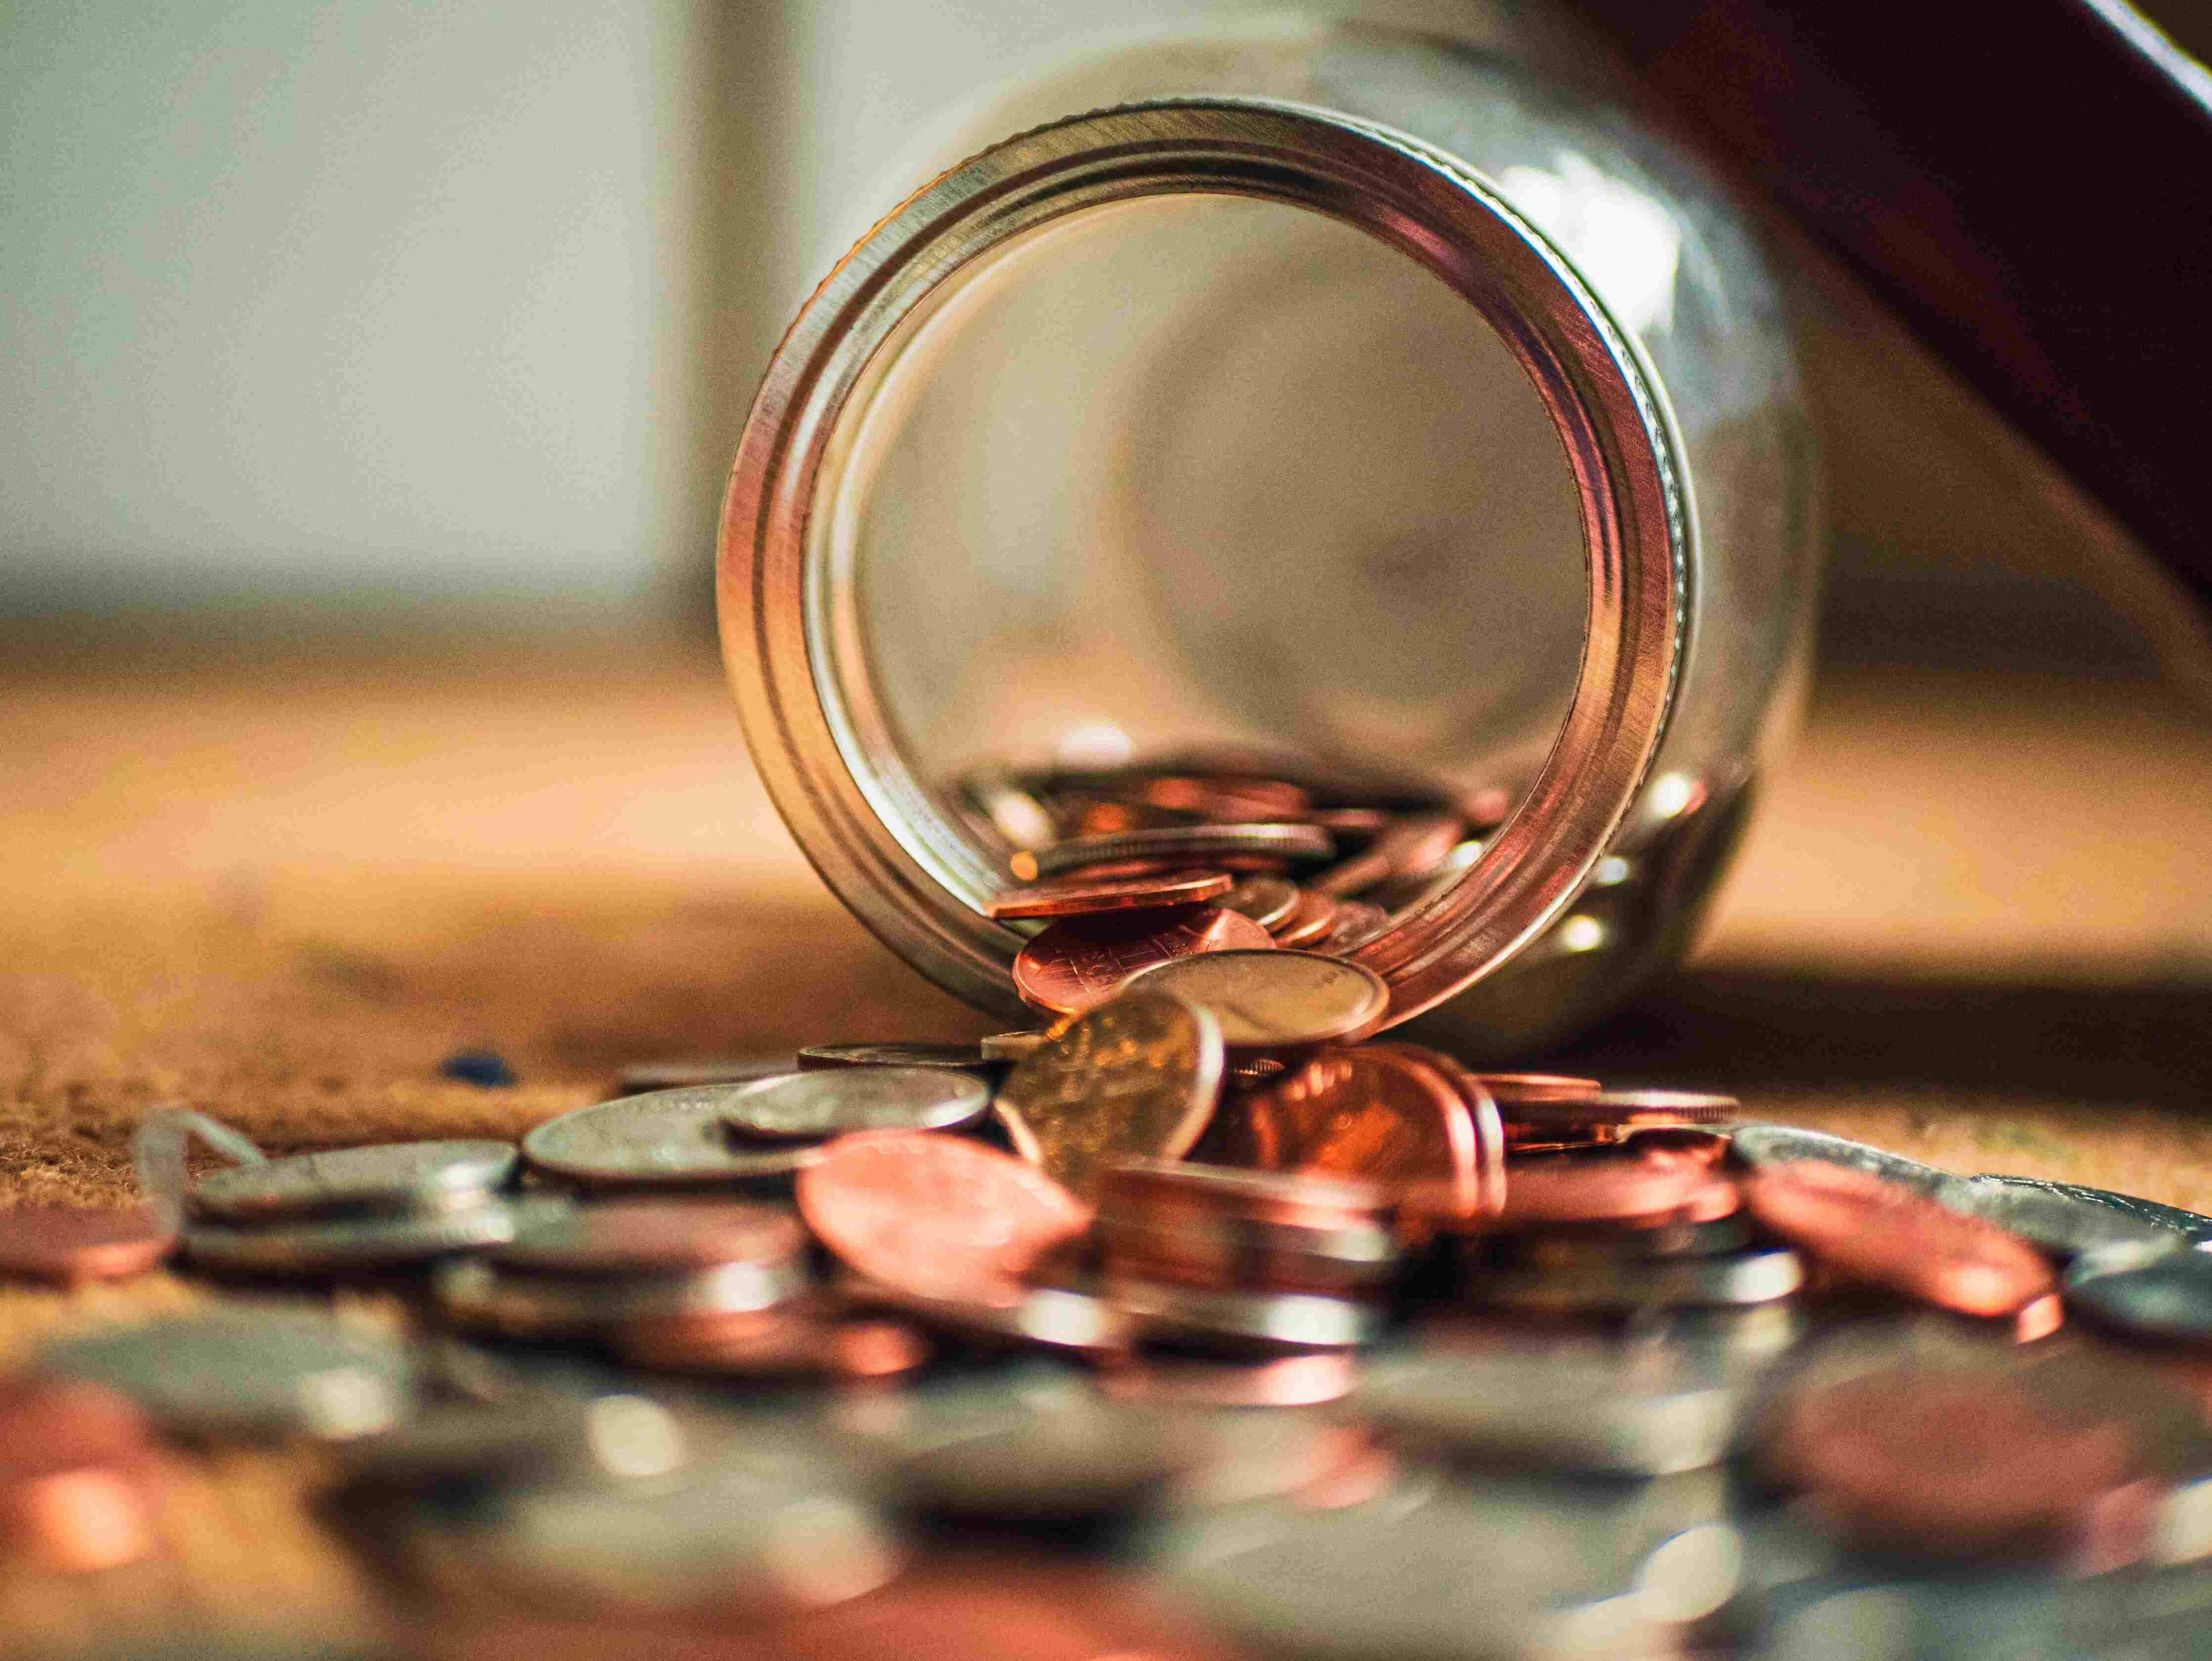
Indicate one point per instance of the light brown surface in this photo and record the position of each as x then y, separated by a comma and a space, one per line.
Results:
1974, 924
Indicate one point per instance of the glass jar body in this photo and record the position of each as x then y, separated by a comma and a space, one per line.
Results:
1199, 459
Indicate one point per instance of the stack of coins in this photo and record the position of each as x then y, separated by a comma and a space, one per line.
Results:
1304, 1324
351, 1208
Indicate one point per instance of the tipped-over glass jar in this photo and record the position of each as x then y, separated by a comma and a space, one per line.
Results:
1312, 424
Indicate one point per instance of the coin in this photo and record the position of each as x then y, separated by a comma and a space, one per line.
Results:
1277, 999
1374, 1112
833, 1101
1511, 1089
1060, 1466
674, 1137
1410, 846
772, 1343
937, 1216
78, 1475
70, 1245
1221, 1248
246, 1371
1283, 1381
2157, 1290
1763, 1145
1490, 1141
1310, 922
1759, 1276
478, 1293
1073, 1319
1577, 1404
652, 1236
1184, 842
1134, 1076
386, 1176
641, 1077
1069, 898
1268, 901
1626, 1190
1947, 1465
322, 1247
2046, 1214
1356, 923
1611, 1113
1245, 1320
1082, 961
1572, 1246
951, 1057
2195, 1225
1012, 1046
1878, 1231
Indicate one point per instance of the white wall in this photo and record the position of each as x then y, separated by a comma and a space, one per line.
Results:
386, 303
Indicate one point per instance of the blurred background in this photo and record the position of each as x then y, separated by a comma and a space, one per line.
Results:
344, 317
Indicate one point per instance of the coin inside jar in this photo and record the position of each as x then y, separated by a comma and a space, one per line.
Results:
1277, 999
1268, 901
935, 1216
1082, 961
1070, 897
1883, 1232
1311, 919
1137, 1075
1187, 844
836, 1101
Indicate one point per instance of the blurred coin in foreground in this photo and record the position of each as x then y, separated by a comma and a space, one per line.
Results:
70, 1245
420, 1176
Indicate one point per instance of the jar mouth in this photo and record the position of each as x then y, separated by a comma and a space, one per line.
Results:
880, 835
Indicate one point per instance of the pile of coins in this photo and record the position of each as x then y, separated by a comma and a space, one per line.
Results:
1142, 865
1359, 1351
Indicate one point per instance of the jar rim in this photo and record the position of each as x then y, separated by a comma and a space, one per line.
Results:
873, 832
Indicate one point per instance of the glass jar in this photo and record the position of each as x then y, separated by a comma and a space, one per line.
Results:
1387, 404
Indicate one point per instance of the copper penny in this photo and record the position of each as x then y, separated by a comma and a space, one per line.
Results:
1375, 1112
652, 1236
1412, 844
77, 1468
1072, 899
1228, 801
1161, 1192
1310, 920
1082, 961
71, 1244
936, 1216
1137, 1075
1955, 1464
1184, 843
1491, 1142
1617, 1188
1883, 1232
1356, 923
1268, 901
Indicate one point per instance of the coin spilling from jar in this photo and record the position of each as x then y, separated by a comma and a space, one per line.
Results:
1296, 1339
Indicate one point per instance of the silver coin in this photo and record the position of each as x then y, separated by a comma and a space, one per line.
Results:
1066, 1464
667, 1137
641, 1077
1073, 1319
308, 1247
1580, 1406
1180, 844
1778, 1144
2194, 1226
476, 1293
472, 1440
1507, 1570
951, 1057
754, 1543
1759, 1276
1268, 901
650, 1236
1010, 1046
2157, 1290
2043, 1213
392, 1175
1258, 1320
246, 1371
833, 1101
1276, 999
